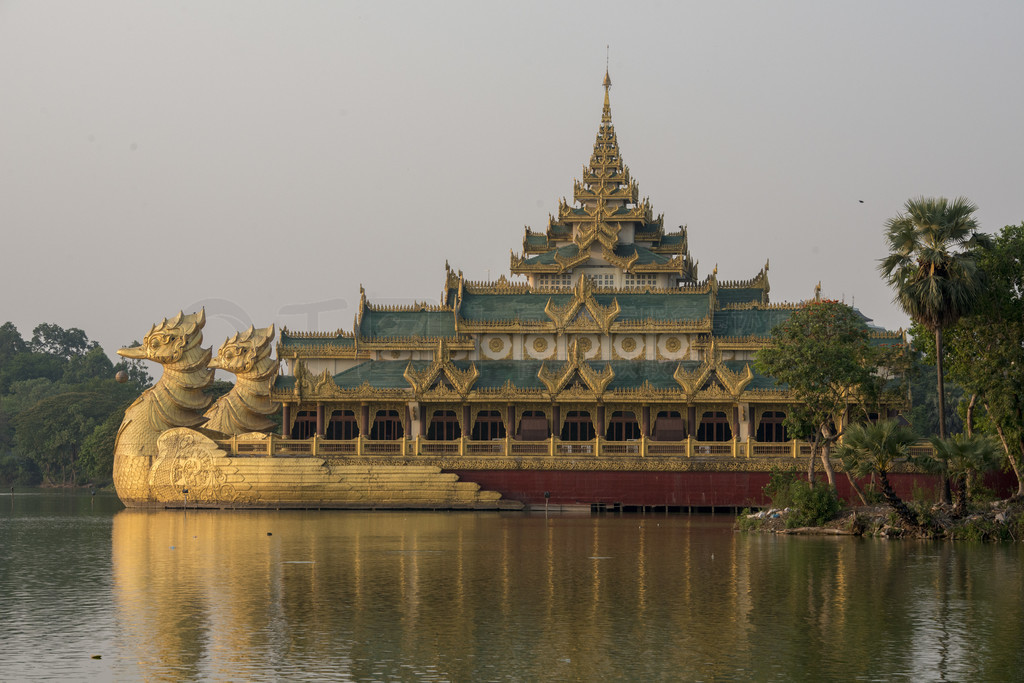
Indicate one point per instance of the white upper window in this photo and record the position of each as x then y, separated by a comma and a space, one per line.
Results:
554, 281
641, 280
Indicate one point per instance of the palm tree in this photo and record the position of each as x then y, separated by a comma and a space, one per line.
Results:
960, 458
931, 266
869, 449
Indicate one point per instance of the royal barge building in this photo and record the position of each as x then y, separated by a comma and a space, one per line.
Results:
605, 371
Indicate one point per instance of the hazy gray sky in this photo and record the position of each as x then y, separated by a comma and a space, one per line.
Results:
258, 156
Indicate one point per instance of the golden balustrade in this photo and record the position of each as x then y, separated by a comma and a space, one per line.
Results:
598, 447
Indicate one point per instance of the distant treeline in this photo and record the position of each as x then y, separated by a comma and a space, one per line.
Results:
60, 406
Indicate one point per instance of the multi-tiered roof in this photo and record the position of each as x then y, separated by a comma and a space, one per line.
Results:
609, 224
650, 324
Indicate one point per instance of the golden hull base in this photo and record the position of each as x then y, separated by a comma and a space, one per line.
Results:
192, 471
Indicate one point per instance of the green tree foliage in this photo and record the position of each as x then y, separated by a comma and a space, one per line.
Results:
924, 412
875, 449
52, 431
54, 340
11, 342
96, 458
56, 391
808, 505
986, 349
931, 267
823, 353
960, 458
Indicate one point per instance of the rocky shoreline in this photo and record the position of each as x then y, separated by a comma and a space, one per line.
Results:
1001, 520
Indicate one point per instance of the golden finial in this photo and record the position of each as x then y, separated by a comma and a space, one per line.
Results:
606, 114
607, 78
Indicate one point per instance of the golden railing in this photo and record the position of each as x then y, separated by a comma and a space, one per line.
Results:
599, 447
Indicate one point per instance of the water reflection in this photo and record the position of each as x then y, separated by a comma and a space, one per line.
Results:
487, 596
369, 596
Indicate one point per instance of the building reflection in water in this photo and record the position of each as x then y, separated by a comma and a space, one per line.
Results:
371, 595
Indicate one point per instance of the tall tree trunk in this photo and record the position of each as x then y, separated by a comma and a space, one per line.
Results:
810, 463
896, 503
856, 489
960, 498
942, 406
969, 427
826, 462
941, 385
1010, 456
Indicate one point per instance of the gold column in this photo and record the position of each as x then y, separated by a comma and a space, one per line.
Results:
364, 421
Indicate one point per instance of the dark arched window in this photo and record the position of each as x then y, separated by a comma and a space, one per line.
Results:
488, 426
444, 426
578, 426
387, 425
343, 425
772, 427
304, 426
714, 427
668, 426
622, 427
533, 426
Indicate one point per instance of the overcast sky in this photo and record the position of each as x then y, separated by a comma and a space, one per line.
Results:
260, 157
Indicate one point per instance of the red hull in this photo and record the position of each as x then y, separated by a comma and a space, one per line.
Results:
671, 489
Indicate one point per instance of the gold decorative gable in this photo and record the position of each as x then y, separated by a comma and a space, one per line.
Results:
442, 379
583, 297
712, 377
576, 378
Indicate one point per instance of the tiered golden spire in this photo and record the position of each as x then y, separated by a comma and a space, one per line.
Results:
605, 201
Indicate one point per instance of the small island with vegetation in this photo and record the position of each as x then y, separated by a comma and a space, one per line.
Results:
964, 290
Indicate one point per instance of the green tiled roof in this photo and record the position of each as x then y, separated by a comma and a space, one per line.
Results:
383, 324
632, 374
523, 374
644, 255
494, 374
671, 239
738, 296
757, 322
524, 307
291, 342
537, 240
658, 306
547, 258
379, 374
759, 382
635, 306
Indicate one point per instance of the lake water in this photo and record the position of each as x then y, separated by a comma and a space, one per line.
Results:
468, 596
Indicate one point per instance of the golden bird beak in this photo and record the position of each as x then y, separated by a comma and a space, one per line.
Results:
215, 363
133, 352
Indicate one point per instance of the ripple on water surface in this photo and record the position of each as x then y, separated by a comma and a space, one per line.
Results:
487, 596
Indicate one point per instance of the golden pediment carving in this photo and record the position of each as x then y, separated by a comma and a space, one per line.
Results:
712, 377
692, 381
454, 382
583, 297
576, 372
